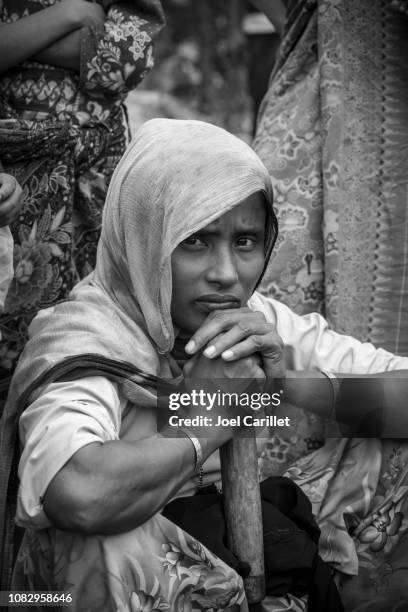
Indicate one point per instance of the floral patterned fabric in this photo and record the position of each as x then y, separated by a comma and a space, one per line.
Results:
154, 567
157, 566
331, 131
62, 134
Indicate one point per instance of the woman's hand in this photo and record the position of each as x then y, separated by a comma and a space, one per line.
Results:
10, 199
238, 333
228, 378
84, 13
200, 366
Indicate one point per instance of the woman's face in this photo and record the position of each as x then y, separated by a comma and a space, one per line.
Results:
218, 266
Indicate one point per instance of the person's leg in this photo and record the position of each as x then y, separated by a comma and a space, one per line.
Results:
155, 566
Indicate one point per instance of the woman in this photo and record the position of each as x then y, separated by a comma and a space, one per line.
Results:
66, 68
187, 232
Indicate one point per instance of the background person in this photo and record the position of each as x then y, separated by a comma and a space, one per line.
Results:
65, 70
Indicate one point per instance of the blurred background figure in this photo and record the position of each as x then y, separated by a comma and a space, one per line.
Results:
213, 62
262, 44
333, 131
65, 70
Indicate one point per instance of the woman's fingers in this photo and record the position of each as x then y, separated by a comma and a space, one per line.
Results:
217, 322
248, 367
268, 346
225, 344
237, 334
266, 343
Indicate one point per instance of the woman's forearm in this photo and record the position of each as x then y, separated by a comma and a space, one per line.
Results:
29, 35
369, 404
64, 53
117, 486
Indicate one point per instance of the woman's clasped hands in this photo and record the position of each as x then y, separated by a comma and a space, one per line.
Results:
237, 343
234, 347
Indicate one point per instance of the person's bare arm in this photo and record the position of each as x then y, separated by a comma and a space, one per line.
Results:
117, 486
65, 52
361, 399
29, 36
375, 401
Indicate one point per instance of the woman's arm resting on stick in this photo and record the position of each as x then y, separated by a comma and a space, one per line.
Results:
370, 404
31, 35
375, 402
116, 486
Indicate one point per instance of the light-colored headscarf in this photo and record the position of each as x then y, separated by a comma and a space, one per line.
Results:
175, 177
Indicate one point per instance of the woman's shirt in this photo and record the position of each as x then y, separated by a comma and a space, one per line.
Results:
114, 59
70, 415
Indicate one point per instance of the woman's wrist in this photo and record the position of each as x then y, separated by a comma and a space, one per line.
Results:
309, 390
198, 453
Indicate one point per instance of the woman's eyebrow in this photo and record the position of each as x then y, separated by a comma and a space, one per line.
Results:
214, 231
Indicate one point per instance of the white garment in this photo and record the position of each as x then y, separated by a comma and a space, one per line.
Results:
69, 415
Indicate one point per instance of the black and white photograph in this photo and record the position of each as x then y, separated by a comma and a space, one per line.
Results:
204, 305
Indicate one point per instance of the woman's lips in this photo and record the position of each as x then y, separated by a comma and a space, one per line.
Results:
209, 303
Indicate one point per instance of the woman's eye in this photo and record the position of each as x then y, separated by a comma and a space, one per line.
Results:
246, 242
193, 242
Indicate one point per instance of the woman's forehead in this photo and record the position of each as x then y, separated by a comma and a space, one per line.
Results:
250, 213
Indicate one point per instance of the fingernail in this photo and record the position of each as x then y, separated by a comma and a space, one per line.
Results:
190, 346
227, 354
209, 352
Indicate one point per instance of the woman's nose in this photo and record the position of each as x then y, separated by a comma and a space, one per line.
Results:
223, 268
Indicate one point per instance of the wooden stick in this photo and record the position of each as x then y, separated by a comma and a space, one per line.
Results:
242, 506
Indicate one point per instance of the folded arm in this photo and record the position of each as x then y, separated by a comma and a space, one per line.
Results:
65, 53
30, 36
